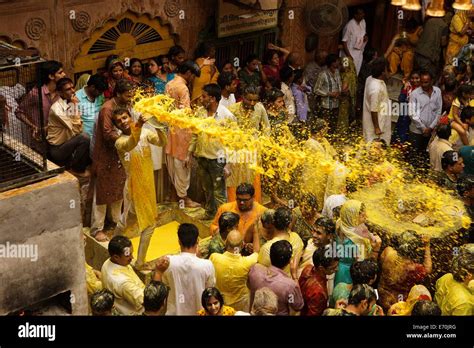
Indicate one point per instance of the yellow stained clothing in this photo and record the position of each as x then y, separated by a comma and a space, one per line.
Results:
454, 298
232, 272
226, 312
348, 101
135, 154
347, 223
296, 243
254, 121
456, 39
64, 122
336, 183
402, 57
209, 145
209, 74
317, 186
381, 172
127, 288
93, 283
417, 293
247, 218
457, 103
322, 146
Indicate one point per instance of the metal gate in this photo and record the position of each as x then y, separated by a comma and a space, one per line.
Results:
22, 128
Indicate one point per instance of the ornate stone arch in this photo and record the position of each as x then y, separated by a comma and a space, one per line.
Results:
127, 35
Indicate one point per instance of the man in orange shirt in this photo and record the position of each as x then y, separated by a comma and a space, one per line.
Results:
177, 154
248, 210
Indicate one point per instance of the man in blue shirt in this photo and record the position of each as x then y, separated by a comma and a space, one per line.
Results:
91, 99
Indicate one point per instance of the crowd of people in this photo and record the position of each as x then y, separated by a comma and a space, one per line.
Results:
280, 258
285, 276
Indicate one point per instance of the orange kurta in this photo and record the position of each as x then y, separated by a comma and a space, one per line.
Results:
246, 218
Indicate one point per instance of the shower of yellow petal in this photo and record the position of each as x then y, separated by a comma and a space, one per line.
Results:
381, 182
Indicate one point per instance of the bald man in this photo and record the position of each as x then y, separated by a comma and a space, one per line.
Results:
232, 270
313, 68
294, 60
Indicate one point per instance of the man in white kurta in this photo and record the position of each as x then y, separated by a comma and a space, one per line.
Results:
376, 101
355, 38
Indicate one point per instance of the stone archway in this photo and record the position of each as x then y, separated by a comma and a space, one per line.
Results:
129, 35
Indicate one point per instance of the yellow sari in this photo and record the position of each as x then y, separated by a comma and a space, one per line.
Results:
347, 104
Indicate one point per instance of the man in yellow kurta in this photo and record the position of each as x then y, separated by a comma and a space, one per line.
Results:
458, 36
133, 147
232, 270
120, 278
454, 293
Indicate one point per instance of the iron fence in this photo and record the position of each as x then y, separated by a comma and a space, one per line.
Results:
23, 150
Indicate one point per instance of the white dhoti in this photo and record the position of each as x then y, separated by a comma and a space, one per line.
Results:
179, 175
358, 57
376, 100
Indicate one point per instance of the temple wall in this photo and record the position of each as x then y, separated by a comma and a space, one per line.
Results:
41, 224
59, 28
